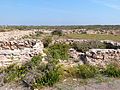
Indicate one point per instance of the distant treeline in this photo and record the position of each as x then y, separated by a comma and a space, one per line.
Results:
94, 27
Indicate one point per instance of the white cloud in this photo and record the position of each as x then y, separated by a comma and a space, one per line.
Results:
114, 4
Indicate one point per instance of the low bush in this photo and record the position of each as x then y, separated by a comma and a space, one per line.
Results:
34, 73
59, 51
87, 71
38, 33
112, 70
17, 73
46, 74
57, 32
70, 72
49, 78
85, 46
46, 41
14, 73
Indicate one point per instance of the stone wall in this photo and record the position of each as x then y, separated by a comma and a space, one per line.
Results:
19, 51
102, 57
83, 31
97, 57
71, 41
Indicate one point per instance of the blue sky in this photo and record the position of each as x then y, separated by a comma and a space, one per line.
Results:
59, 12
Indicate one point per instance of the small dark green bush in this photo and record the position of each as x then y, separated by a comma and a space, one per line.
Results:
49, 78
46, 41
87, 71
47, 75
112, 70
38, 33
57, 32
85, 46
17, 73
59, 51
35, 60
14, 73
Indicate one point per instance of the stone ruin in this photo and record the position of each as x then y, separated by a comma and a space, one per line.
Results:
82, 31
85, 31
102, 57
19, 51
97, 57
71, 41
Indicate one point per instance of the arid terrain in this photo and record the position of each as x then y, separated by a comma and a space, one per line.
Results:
60, 58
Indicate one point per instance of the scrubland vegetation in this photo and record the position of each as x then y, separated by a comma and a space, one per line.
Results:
37, 74
85, 46
93, 27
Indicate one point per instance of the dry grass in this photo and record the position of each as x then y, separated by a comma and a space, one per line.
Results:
94, 36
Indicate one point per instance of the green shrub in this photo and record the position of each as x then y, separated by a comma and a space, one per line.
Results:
112, 70
47, 75
33, 73
70, 71
14, 73
46, 41
59, 51
49, 78
35, 60
57, 32
38, 33
85, 46
40, 74
17, 73
87, 71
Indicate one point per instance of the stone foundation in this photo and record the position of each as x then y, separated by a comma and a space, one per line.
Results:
102, 57
83, 31
19, 51
97, 57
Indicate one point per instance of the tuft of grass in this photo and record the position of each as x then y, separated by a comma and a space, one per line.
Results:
14, 73
112, 70
87, 71
59, 51
85, 46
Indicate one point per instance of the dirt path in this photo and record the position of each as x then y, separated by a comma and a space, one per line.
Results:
113, 84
